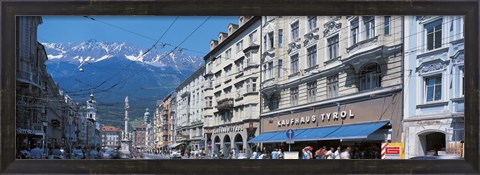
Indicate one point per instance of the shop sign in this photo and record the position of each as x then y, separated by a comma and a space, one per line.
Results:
434, 122
335, 115
228, 129
297, 121
392, 151
29, 131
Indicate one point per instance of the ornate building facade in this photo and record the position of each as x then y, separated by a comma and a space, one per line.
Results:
434, 85
322, 73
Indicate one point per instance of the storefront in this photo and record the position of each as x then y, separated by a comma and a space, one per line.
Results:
362, 124
225, 138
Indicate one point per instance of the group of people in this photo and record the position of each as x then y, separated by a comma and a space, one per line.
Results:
339, 153
58, 152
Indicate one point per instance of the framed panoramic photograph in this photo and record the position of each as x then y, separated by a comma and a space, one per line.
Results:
238, 87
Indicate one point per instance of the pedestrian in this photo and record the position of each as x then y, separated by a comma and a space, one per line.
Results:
37, 152
306, 152
24, 153
330, 153
336, 155
280, 153
275, 154
345, 154
320, 153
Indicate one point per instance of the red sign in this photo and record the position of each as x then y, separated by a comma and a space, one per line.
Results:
393, 150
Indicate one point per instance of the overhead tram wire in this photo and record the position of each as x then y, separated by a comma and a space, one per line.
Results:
130, 32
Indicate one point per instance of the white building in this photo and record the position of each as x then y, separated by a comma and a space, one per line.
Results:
189, 117
433, 84
232, 81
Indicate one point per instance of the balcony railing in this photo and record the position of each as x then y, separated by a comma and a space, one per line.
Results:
224, 104
28, 77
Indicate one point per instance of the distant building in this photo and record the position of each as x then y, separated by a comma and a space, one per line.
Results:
111, 137
139, 135
189, 117
166, 111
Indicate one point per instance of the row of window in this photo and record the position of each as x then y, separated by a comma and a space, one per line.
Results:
370, 78
332, 91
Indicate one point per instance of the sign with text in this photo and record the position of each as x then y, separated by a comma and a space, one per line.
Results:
392, 151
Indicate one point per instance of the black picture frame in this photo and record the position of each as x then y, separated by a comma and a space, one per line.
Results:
10, 9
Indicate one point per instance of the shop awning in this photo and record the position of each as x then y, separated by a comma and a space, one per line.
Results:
282, 136
175, 145
355, 131
315, 133
263, 137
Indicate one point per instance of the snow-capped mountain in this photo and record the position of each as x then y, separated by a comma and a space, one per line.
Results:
92, 51
115, 70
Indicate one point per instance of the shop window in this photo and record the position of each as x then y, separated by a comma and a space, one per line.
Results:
433, 88
370, 77
312, 56
434, 34
311, 91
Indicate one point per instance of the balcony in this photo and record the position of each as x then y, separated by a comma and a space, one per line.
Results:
268, 82
251, 65
362, 44
239, 72
225, 104
28, 77
239, 96
209, 85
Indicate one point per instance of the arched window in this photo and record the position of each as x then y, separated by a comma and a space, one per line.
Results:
370, 77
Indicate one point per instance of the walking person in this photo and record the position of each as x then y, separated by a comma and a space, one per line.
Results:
330, 153
307, 154
345, 154
280, 154
275, 154
37, 152
336, 155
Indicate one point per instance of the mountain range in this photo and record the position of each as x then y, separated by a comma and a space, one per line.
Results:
112, 70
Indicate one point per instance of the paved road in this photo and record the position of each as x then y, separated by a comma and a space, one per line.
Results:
155, 156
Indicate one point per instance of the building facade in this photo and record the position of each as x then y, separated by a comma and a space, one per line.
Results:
111, 137
167, 122
189, 117
140, 136
325, 75
31, 122
434, 85
231, 90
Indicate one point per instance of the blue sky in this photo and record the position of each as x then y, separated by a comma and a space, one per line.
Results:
141, 31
